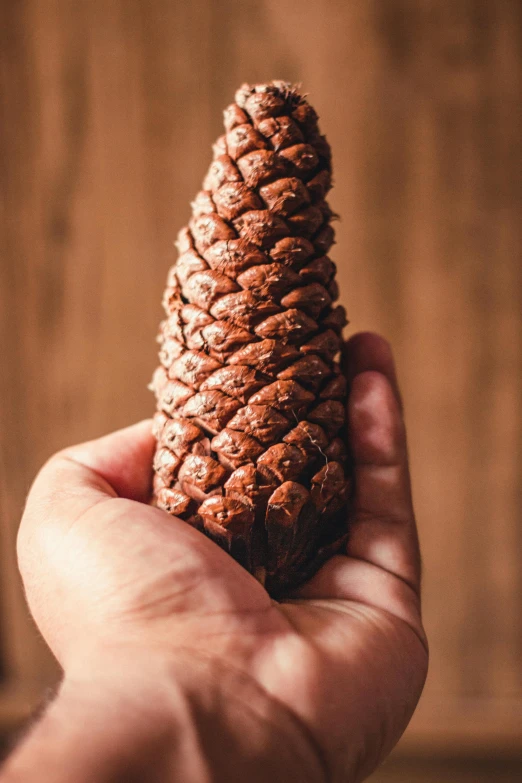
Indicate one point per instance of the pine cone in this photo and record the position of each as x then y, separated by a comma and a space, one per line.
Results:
251, 399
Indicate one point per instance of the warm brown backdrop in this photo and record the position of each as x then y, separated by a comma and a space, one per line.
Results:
108, 108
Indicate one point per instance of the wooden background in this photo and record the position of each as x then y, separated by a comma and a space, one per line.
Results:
108, 108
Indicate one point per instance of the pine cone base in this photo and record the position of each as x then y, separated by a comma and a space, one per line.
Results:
251, 399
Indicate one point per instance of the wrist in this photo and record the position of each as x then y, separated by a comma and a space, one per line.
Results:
126, 713
206, 720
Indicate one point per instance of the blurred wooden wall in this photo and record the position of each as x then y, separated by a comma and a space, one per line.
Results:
108, 109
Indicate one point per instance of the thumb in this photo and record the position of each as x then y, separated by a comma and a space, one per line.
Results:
383, 530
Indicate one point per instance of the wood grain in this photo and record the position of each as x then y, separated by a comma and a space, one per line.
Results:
107, 113
480, 770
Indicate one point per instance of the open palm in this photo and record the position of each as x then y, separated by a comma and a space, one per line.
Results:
344, 657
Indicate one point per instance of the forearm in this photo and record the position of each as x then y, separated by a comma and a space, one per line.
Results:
129, 724
92, 732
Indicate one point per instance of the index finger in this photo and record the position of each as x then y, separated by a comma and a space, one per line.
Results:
79, 477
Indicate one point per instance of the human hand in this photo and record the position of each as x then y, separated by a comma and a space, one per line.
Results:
331, 674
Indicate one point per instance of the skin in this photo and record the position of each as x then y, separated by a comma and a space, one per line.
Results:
178, 665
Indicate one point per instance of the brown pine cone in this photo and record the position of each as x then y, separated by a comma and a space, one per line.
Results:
251, 399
